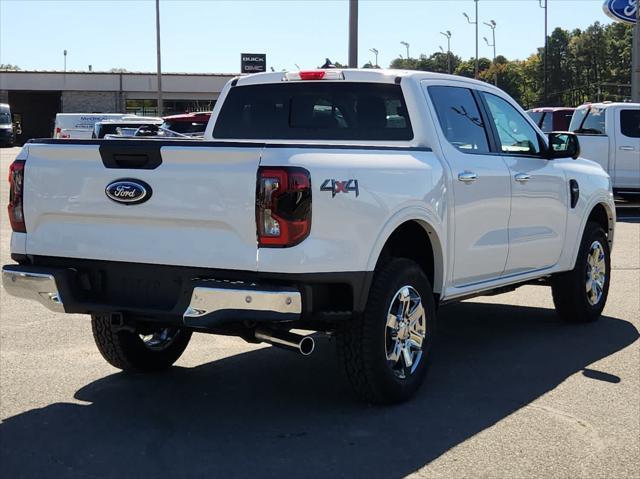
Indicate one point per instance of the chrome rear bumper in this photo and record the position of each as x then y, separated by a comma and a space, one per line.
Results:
229, 298
40, 287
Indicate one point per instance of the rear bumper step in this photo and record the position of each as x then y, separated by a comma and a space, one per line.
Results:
37, 286
215, 302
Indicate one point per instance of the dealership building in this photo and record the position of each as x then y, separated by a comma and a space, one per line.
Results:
36, 96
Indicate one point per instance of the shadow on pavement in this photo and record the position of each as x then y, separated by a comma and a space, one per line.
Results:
269, 413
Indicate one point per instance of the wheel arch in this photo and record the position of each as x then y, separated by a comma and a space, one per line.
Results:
602, 213
402, 236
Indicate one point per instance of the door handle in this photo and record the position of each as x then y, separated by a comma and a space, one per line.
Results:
522, 177
627, 148
467, 177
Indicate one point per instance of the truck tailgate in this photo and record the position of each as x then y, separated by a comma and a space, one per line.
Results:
201, 211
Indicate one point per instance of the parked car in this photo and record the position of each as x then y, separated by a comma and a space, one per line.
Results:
289, 218
610, 135
121, 127
7, 133
190, 124
552, 118
81, 125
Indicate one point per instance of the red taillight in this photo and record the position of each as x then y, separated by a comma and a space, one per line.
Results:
312, 75
16, 188
283, 206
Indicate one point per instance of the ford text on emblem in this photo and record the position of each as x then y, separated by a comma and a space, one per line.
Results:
128, 191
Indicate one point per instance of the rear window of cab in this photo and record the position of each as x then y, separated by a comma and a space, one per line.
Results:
319, 110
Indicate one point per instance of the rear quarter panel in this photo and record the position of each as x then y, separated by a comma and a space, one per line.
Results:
349, 231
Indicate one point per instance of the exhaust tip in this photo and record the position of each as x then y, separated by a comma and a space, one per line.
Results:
307, 345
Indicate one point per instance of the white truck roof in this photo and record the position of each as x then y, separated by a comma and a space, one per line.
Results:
609, 104
358, 75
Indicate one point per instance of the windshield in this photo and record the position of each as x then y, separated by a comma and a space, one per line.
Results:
536, 116
588, 121
5, 118
315, 110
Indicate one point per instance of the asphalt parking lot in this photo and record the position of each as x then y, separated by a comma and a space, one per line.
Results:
513, 392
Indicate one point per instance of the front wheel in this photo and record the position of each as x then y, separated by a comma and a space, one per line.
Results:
385, 351
580, 295
148, 349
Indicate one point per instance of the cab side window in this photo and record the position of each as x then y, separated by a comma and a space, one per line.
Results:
630, 123
459, 118
517, 136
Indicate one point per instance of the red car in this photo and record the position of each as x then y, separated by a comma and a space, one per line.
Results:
552, 118
190, 124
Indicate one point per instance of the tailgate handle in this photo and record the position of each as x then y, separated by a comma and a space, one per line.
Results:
130, 161
131, 154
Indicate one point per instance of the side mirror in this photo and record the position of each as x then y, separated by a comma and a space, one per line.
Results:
563, 144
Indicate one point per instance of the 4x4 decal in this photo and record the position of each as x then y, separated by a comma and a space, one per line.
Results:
335, 187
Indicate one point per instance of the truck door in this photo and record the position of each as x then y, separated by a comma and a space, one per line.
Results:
627, 148
481, 186
538, 191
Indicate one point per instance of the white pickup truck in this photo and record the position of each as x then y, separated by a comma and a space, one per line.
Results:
352, 202
609, 134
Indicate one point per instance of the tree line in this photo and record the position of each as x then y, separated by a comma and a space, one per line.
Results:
582, 65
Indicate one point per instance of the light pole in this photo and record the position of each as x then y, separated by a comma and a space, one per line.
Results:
447, 34
375, 52
635, 72
475, 22
407, 47
544, 4
65, 61
492, 25
353, 33
158, 55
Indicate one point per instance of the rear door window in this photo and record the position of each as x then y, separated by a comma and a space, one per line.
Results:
459, 118
630, 123
315, 110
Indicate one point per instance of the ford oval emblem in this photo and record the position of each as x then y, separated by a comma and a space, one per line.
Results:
621, 10
128, 191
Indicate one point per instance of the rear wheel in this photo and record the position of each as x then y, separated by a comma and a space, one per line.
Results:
139, 349
385, 352
580, 295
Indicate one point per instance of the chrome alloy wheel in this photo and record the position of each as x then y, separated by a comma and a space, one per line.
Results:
596, 273
405, 332
160, 339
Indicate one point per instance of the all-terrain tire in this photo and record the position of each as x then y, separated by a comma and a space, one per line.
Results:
362, 342
571, 296
126, 350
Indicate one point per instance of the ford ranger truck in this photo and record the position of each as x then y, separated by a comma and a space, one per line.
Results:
349, 202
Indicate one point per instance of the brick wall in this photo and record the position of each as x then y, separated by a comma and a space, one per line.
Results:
90, 102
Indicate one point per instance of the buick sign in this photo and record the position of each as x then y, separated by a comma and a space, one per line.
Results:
128, 191
253, 62
621, 10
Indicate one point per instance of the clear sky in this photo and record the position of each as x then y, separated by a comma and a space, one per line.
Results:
209, 35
